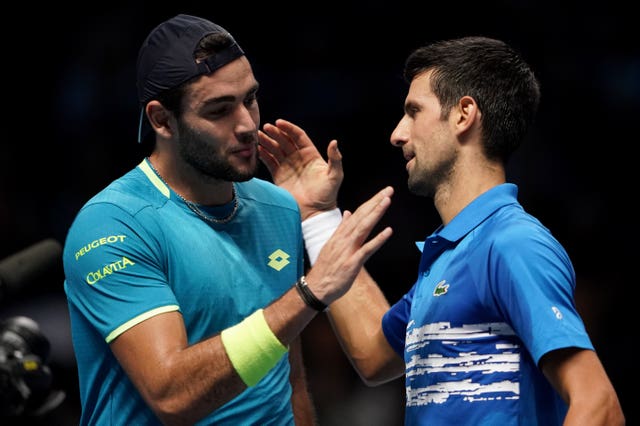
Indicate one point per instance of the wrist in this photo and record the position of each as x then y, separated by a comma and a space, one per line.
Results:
252, 347
317, 229
308, 297
309, 212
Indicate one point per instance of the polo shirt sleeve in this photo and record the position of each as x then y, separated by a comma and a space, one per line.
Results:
533, 282
114, 269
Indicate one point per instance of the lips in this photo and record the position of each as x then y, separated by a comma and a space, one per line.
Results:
407, 154
408, 157
247, 151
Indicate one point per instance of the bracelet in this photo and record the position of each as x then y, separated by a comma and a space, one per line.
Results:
252, 347
318, 229
308, 297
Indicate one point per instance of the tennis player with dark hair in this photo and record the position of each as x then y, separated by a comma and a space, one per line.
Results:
489, 333
184, 277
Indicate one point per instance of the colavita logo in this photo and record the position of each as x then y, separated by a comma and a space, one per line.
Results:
113, 267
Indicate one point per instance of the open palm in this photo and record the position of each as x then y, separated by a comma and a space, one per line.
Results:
296, 165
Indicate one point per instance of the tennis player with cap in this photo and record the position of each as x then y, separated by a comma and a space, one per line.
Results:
184, 277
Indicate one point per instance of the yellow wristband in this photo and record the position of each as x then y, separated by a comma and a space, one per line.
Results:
252, 347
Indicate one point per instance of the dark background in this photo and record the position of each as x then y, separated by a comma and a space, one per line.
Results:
70, 121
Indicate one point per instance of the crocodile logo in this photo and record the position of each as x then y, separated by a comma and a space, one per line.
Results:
441, 288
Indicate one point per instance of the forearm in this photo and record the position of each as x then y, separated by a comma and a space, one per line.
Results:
607, 414
183, 384
356, 317
284, 320
357, 321
580, 379
594, 401
197, 381
304, 412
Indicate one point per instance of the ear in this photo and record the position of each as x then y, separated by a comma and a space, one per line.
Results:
467, 114
160, 118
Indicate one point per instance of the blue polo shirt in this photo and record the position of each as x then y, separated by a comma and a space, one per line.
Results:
495, 292
136, 250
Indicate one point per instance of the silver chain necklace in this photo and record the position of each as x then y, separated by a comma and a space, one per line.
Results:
194, 207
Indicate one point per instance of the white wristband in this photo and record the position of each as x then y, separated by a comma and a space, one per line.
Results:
318, 229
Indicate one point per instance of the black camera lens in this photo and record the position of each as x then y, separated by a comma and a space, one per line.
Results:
25, 379
22, 335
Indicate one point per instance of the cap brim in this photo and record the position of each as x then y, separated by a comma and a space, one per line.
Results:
144, 127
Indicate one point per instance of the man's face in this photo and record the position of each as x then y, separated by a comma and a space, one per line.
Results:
217, 133
426, 139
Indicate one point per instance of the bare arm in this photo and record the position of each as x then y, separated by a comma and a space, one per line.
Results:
184, 383
356, 318
180, 383
303, 410
579, 377
296, 165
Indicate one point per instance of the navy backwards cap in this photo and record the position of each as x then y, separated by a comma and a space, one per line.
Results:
166, 58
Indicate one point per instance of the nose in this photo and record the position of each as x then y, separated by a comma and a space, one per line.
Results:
247, 119
399, 136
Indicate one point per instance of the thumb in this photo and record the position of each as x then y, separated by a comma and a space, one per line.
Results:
335, 160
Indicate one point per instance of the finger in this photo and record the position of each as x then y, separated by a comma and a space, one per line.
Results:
295, 133
359, 225
356, 252
270, 145
334, 157
365, 220
280, 138
268, 160
374, 244
374, 202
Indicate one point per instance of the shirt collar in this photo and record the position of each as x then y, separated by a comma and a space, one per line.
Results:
475, 213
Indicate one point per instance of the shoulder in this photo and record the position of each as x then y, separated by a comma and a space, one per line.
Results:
128, 204
265, 192
129, 194
513, 240
512, 228
510, 237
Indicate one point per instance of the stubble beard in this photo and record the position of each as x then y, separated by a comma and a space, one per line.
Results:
196, 151
426, 181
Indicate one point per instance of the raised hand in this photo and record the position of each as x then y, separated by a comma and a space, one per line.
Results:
350, 246
296, 165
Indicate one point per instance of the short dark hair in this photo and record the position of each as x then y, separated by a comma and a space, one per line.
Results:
492, 73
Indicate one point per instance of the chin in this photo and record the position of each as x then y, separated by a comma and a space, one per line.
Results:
418, 188
244, 174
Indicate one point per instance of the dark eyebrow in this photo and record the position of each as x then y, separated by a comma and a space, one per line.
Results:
410, 105
230, 98
254, 89
219, 99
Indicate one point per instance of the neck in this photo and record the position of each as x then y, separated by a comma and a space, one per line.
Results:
457, 193
193, 206
190, 185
